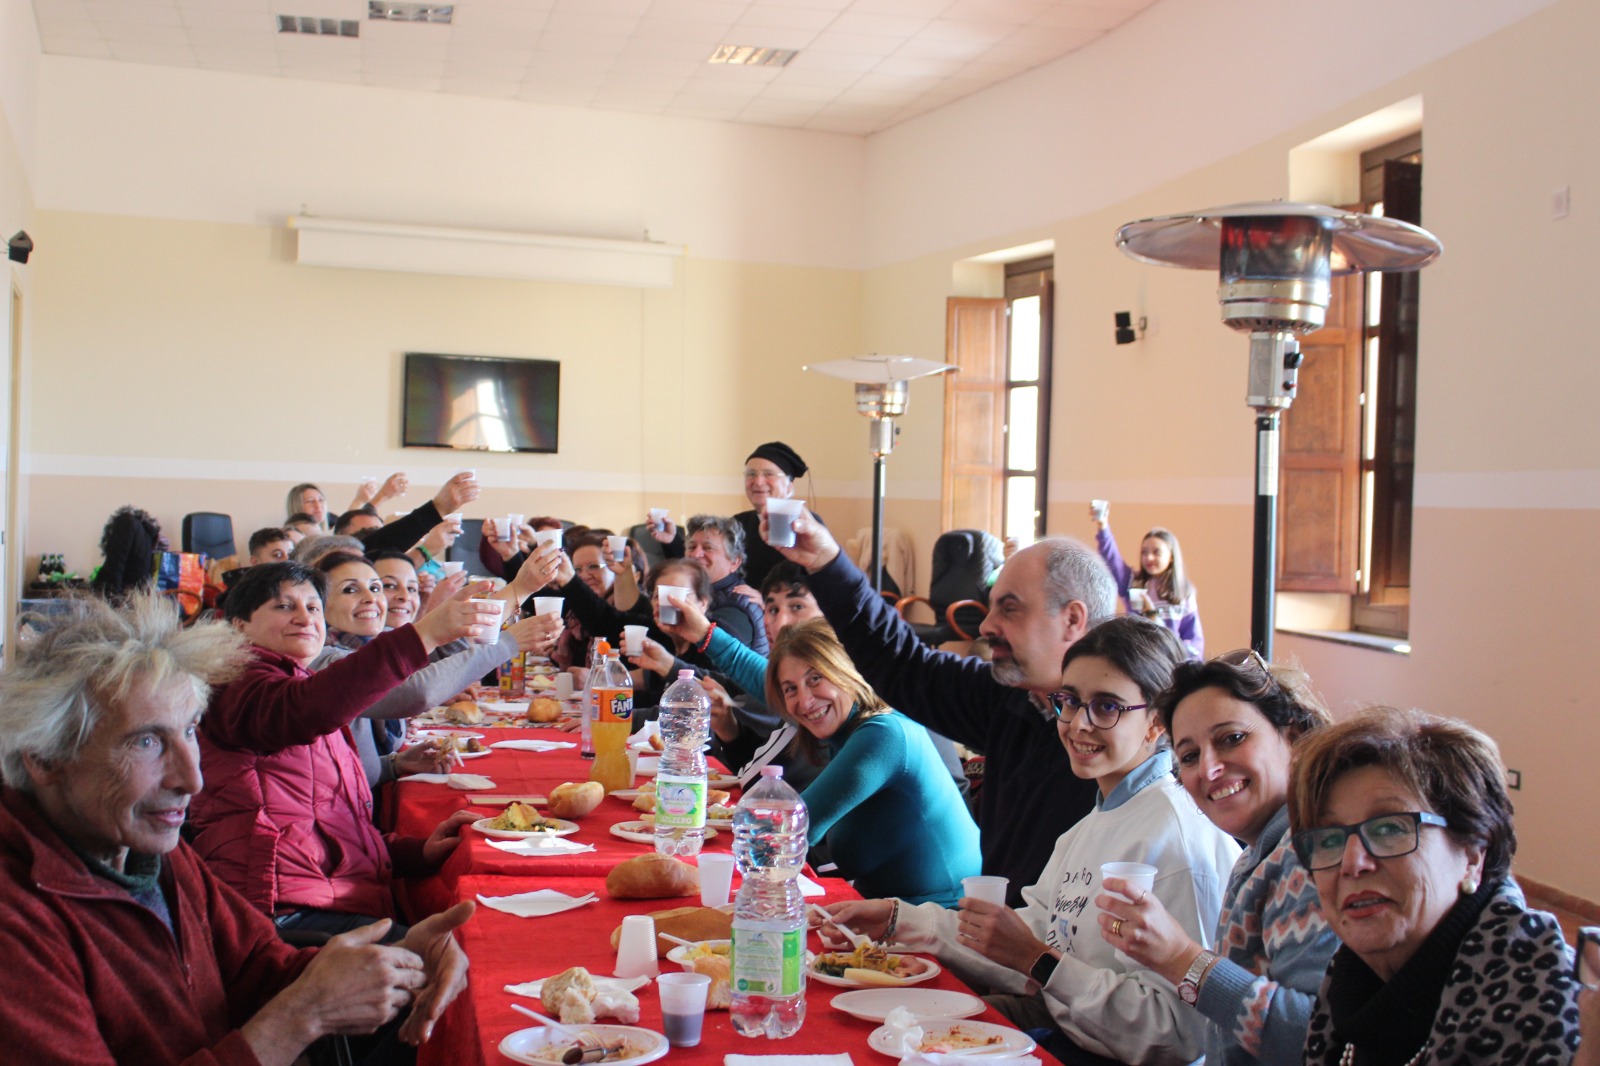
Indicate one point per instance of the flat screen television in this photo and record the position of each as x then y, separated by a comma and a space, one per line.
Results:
480, 403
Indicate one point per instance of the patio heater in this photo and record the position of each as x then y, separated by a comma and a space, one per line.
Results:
883, 389
1275, 260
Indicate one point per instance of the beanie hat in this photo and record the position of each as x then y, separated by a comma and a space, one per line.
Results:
781, 456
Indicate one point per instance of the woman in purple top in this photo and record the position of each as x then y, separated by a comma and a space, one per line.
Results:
1165, 593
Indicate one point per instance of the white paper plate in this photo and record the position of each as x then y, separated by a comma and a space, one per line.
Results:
524, 1045
441, 731
1011, 1041
626, 795
679, 954
566, 830
931, 970
641, 832
874, 1004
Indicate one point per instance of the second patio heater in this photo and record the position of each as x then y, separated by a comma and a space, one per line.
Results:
1275, 260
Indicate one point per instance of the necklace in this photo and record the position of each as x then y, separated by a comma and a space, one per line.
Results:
1349, 1056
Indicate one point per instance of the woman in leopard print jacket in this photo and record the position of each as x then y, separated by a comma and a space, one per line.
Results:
1404, 822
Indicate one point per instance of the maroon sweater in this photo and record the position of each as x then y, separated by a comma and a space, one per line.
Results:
286, 813
91, 976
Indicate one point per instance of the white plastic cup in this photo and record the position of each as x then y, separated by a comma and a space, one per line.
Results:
636, 947
516, 522
1099, 509
548, 604
658, 518
451, 569
491, 635
1140, 876
455, 518
987, 887
780, 521
716, 878
618, 546
664, 608
633, 639
564, 688
502, 528
683, 1006
633, 766
546, 536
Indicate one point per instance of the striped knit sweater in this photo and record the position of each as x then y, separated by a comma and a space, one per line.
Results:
1274, 949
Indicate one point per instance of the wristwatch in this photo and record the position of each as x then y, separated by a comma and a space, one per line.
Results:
1043, 967
1189, 987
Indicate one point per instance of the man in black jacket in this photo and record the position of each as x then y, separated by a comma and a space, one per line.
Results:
1045, 598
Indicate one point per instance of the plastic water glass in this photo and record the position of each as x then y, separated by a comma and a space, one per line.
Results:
716, 878
987, 887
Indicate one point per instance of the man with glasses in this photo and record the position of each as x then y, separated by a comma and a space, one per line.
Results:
1046, 597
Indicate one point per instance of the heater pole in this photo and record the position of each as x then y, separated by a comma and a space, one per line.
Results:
1263, 589
880, 489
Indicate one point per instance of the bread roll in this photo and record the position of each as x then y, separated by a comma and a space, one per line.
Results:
465, 712
652, 876
720, 995
576, 799
689, 923
544, 709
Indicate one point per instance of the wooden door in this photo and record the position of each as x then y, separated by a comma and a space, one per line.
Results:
974, 413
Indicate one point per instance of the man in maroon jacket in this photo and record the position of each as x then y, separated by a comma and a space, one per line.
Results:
121, 945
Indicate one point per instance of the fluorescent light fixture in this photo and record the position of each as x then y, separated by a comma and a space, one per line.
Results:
752, 55
395, 11
319, 27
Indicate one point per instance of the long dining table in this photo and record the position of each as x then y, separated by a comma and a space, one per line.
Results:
505, 949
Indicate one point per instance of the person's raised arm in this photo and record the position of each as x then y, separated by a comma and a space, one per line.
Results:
625, 586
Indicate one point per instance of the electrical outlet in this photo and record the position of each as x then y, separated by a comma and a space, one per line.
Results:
1514, 780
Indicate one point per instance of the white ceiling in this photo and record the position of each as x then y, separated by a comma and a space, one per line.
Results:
864, 65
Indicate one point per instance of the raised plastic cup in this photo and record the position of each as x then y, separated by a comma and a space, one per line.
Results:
502, 528
546, 536
664, 608
491, 634
564, 688
636, 947
548, 604
987, 887
1140, 876
451, 568
683, 1006
633, 639
1099, 507
618, 547
658, 518
716, 878
780, 521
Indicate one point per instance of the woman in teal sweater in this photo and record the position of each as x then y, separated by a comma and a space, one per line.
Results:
893, 818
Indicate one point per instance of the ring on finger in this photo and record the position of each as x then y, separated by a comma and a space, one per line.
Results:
1116, 927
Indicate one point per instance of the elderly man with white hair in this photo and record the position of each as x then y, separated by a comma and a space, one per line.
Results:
121, 946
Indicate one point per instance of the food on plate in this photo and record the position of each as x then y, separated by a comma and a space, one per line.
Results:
540, 682
686, 923
523, 818
573, 998
715, 798
465, 712
576, 799
718, 968
594, 1048
655, 742
958, 1038
652, 876
465, 745
544, 709
869, 964
720, 811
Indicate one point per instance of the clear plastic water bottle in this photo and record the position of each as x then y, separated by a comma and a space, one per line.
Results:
685, 721
769, 915
597, 658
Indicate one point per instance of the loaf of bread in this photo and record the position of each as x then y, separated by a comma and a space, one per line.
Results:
720, 994
464, 712
686, 923
576, 799
652, 876
544, 709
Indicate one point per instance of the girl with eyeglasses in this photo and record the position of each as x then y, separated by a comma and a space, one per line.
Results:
1166, 595
1052, 968
1233, 721
1404, 822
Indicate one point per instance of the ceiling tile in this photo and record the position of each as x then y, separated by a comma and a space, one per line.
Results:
74, 10
69, 28
769, 36
242, 44
470, 86
166, 55
966, 32
229, 19
1086, 16
568, 21
78, 46
633, 9
913, 66
785, 18
141, 33
473, 17
925, 8
719, 11
1019, 12
710, 33
822, 59
854, 43
879, 25
588, 44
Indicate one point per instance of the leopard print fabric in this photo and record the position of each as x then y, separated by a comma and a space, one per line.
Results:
1510, 999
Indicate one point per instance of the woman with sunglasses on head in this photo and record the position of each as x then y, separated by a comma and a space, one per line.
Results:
1404, 822
1056, 969
1232, 722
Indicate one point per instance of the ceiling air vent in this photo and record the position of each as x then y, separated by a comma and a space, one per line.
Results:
319, 27
752, 55
406, 12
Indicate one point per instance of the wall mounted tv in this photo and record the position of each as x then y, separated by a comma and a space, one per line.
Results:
480, 403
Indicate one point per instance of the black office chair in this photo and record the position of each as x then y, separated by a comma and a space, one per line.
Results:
209, 534
965, 562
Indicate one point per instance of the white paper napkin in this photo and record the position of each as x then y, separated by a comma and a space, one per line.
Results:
535, 846
468, 782
641, 740
809, 887
536, 904
621, 984
841, 1059
533, 745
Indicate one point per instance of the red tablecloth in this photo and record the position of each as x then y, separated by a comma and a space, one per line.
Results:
505, 949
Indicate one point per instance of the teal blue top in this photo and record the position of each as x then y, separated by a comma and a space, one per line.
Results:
744, 666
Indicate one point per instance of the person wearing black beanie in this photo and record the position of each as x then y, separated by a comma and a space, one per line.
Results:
769, 473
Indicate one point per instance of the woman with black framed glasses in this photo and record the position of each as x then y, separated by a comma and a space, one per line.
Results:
1233, 722
1049, 961
1404, 822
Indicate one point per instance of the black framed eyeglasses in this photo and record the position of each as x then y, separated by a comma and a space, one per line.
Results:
1385, 836
1104, 712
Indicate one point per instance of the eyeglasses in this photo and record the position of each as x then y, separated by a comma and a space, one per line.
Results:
1104, 712
593, 568
1244, 657
1385, 836
765, 475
